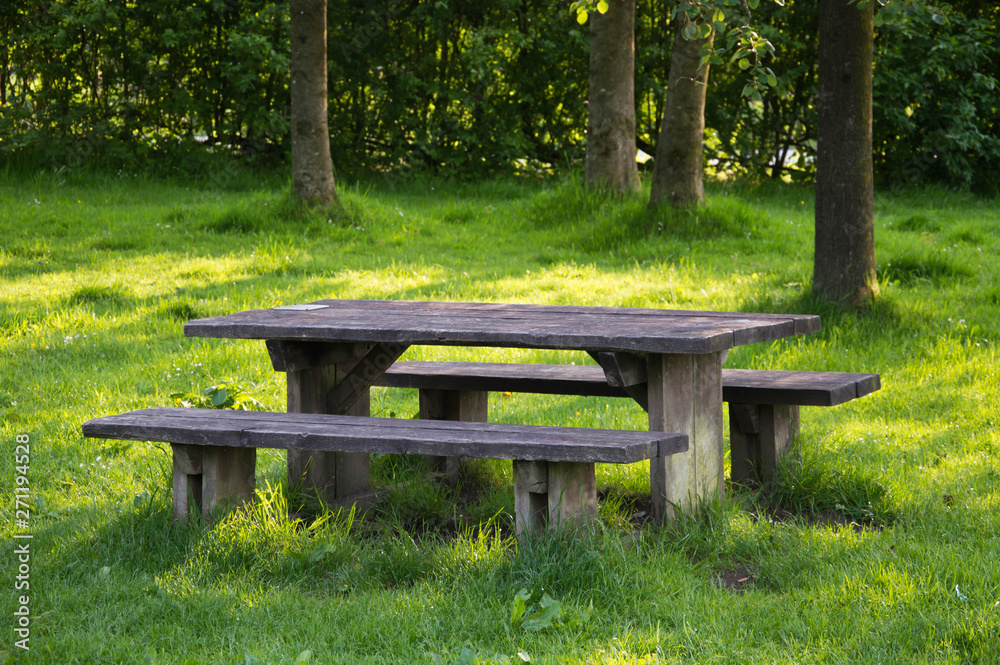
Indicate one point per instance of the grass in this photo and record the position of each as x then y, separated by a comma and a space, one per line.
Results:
878, 545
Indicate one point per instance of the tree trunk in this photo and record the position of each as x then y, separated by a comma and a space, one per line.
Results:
844, 264
611, 107
677, 170
312, 169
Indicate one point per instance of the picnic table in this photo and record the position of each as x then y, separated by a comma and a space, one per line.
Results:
670, 361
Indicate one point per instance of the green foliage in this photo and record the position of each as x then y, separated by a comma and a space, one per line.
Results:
455, 88
737, 40
224, 395
116, 295
935, 98
465, 89
937, 82
534, 612
774, 135
152, 86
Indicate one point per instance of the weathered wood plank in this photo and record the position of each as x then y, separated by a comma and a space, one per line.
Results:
745, 386
586, 380
186, 479
802, 388
628, 372
572, 493
531, 501
227, 478
553, 494
760, 436
295, 356
806, 323
685, 395
530, 326
256, 429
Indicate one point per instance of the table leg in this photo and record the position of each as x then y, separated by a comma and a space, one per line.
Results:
331, 475
685, 396
467, 405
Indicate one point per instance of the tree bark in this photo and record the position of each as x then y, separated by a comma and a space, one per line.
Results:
610, 162
677, 170
844, 263
312, 169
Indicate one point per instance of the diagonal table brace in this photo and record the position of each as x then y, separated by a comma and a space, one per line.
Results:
355, 384
626, 371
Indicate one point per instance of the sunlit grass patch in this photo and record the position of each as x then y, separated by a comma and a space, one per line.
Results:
854, 554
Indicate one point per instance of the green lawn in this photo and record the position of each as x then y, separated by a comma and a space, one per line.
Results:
881, 546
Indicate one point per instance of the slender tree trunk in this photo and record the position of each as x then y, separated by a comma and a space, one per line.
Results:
312, 169
844, 264
611, 114
677, 171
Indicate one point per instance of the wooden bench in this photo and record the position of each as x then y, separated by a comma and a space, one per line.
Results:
763, 405
214, 452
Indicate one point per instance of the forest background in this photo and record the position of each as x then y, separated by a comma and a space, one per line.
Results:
464, 89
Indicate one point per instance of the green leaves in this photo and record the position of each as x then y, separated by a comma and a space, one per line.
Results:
547, 612
225, 395
584, 7
745, 46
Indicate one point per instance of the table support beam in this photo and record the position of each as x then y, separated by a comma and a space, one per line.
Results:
626, 371
685, 396
353, 385
332, 476
466, 405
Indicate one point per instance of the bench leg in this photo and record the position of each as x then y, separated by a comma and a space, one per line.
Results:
187, 480
553, 494
760, 435
468, 405
531, 501
212, 477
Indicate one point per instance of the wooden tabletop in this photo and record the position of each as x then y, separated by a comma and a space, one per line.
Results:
506, 325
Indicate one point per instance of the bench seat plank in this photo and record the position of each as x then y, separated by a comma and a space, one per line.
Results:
763, 405
256, 429
585, 380
738, 385
755, 386
215, 452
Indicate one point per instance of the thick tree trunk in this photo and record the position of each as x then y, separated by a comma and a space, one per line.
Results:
611, 115
312, 169
844, 264
677, 171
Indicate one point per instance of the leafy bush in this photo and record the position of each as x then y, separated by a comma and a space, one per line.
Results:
936, 114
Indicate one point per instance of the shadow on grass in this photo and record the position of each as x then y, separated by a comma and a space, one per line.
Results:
839, 498
597, 223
